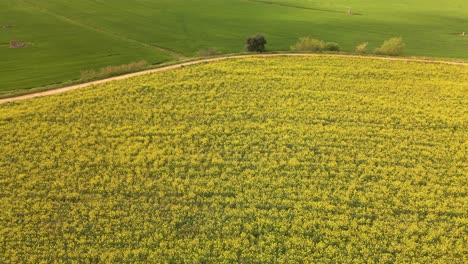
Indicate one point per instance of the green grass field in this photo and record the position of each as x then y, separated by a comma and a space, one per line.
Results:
68, 37
259, 160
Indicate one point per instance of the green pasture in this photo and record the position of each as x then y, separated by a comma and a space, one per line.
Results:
69, 36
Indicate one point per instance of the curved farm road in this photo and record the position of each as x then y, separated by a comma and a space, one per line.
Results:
74, 87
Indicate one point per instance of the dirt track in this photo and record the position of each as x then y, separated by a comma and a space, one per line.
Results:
74, 87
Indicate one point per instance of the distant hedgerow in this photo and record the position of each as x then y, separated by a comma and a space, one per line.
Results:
361, 48
314, 45
113, 70
308, 44
332, 46
207, 52
391, 47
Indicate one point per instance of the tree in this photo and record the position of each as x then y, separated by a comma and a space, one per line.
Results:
256, 43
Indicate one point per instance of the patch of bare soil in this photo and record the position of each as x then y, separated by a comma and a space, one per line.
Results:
462, 34
15, 44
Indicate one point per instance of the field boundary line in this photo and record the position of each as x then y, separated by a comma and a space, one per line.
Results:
183, 64
299, 7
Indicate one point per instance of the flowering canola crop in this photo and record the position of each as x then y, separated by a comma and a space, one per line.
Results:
258, 160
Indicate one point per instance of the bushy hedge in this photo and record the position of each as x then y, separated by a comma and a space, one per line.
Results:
308, 44
361, 48
207, 52
113, 70
332, 46
391, 47
314, 45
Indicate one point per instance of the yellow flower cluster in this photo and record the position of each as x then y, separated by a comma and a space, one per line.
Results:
260, 160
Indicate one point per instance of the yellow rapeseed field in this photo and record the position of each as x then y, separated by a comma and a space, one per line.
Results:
259, 160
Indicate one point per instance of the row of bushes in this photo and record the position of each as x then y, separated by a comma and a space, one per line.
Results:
314, 45
391, 47
113, 70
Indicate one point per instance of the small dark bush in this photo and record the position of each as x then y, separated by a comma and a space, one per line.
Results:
332, 46
256, 43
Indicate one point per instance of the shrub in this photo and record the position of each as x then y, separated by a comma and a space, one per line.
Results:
207, 52
308, 44
113, 70
256, 43
332, 46
361, 48
391, 47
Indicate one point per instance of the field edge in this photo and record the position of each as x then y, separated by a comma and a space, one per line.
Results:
18, 95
